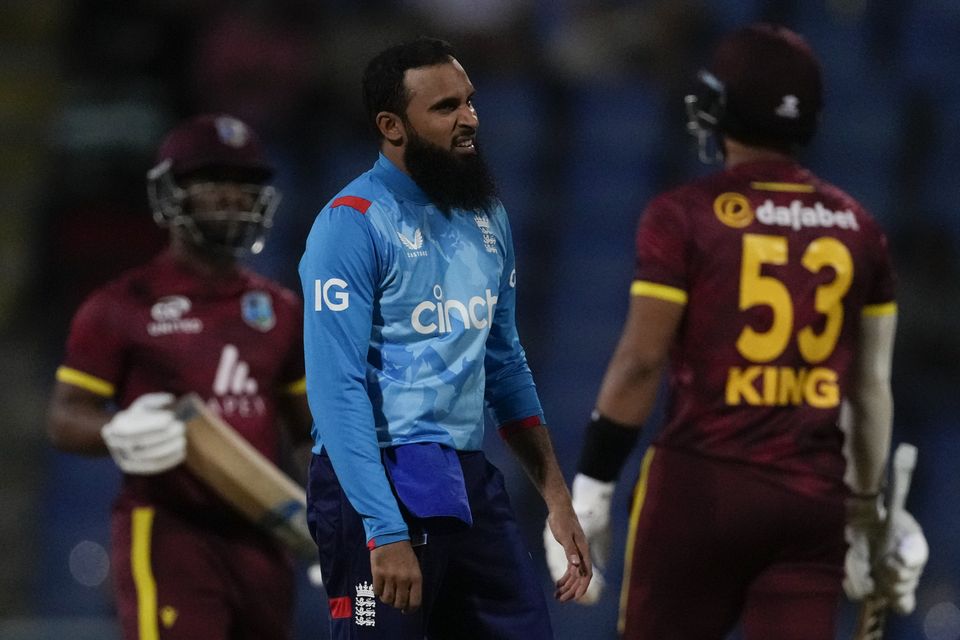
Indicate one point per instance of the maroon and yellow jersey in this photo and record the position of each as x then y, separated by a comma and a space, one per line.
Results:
236, 341
775, 268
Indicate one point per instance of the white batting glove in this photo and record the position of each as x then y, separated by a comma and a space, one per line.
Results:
891, 567
315, 575
897, 571
591, 503
865, 518
146, 438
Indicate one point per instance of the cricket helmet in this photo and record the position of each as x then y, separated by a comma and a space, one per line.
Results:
762, 87
186, 186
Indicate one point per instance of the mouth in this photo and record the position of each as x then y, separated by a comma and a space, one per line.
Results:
464, 144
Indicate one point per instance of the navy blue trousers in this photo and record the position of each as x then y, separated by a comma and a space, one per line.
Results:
478, 582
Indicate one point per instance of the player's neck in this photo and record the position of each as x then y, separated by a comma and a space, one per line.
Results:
202, 262
736, 153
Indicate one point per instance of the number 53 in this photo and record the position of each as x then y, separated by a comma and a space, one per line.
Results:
758, 289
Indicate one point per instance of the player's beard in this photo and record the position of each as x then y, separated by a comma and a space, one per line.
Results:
450, 180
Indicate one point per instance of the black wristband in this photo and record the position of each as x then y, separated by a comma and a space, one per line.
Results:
606, 446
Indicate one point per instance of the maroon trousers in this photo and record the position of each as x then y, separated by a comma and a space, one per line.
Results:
715, 543
175, 580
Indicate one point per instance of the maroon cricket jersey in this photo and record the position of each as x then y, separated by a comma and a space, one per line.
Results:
775, 268
236, 341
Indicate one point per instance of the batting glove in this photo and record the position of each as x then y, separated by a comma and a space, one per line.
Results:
889, 566
591, 503
146, 438
897, 572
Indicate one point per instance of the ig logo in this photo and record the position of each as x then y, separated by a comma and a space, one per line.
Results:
338, 300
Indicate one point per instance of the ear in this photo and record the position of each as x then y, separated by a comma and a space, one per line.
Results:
391, 128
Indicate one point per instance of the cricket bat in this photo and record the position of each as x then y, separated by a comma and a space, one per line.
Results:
873, 612
244, 478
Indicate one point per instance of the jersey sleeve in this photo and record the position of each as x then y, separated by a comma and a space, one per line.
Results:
95, 348
510, 392
881, 295
340, 274
292, 374
661, 267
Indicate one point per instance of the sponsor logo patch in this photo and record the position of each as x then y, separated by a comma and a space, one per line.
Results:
168, 317
256, 308
489, 240
441, 314
331, 294
734, 210
413, 245
365, 606
236, 391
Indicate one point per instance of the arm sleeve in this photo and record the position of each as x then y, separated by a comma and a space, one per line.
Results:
292, 377
510, 392
339, 272
95, 347
662, 249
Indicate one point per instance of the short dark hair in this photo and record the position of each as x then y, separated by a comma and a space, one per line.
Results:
383, 88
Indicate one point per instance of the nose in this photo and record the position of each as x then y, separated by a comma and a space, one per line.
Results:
468, 117
232, 197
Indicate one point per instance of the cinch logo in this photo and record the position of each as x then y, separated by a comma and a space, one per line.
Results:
235, 390
337, 301
435, 316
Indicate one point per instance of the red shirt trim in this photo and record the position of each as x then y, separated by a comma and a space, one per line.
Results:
340, 607
509, 429
360, 204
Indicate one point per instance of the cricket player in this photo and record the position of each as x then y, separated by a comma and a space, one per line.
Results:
410, 281
186, 566
767, 296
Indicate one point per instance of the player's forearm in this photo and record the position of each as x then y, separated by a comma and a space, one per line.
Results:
870, 434
74, 420
629, 389
871, 403
533, 449
77, 430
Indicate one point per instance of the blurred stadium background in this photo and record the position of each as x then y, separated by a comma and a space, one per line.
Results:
581, 105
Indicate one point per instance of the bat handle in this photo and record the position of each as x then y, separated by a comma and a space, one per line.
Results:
873, 613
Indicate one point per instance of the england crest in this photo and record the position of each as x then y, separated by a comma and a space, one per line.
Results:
256, 308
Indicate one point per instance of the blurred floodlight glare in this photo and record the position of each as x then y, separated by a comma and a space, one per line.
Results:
89, 563
942, 622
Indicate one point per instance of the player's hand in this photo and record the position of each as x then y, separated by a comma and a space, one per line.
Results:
591, 502
396, 576
146, 437
898, 569
889, 566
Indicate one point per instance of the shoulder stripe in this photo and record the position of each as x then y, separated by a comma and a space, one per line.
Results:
85, 381
659, 291
787, 187
360, 204
297, 388
877, 310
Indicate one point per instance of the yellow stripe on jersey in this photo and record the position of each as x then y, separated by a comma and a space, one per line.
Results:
659, 291
639, 495
878, 310
297, 388
787, 187
143, 579
85, 381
